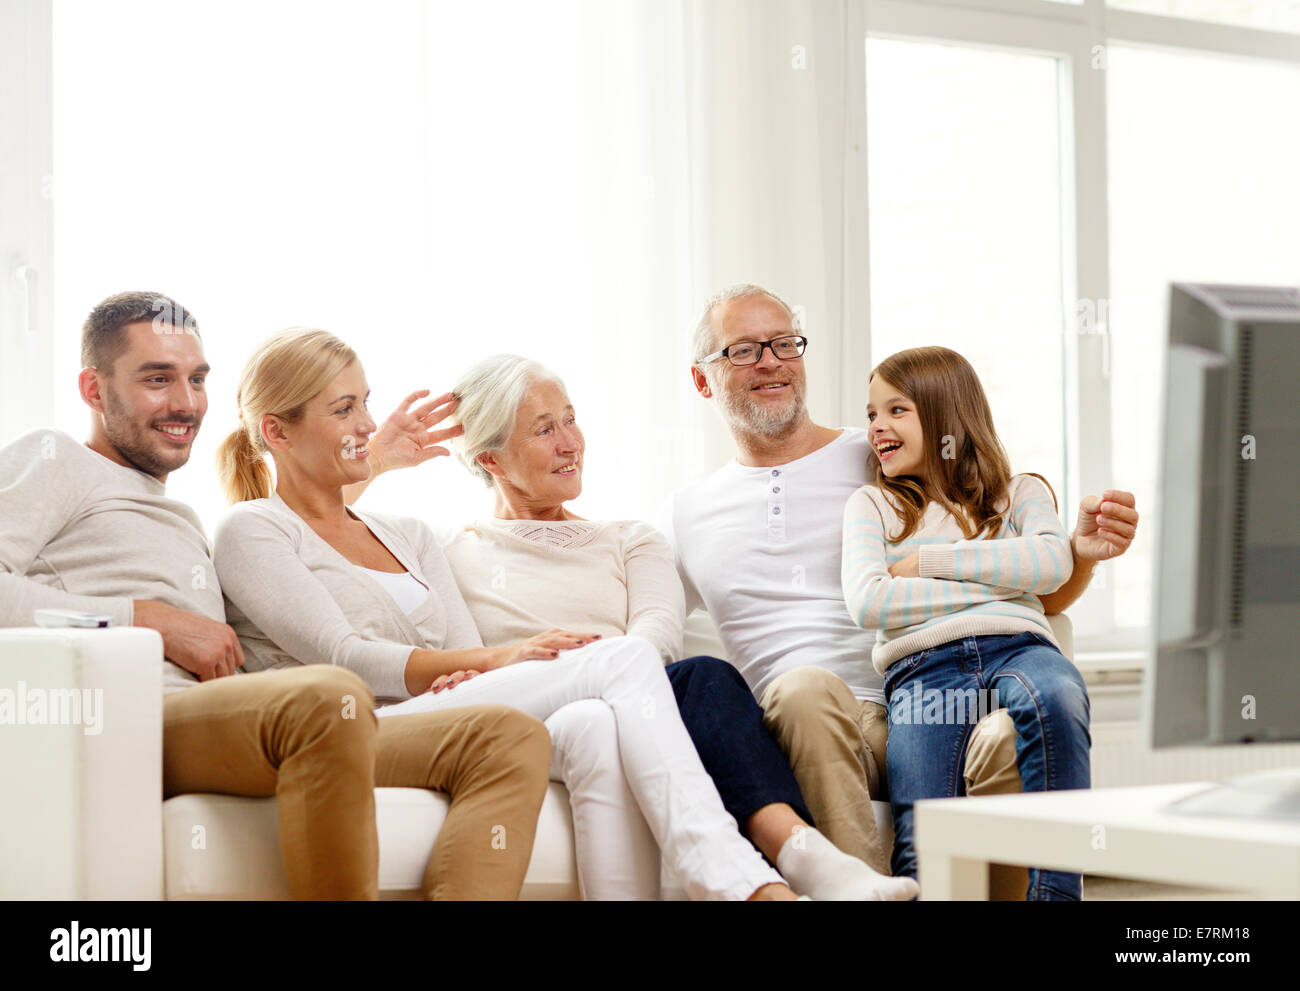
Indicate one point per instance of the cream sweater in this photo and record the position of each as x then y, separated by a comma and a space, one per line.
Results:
294, 599
523, 577
966, 587
78, 531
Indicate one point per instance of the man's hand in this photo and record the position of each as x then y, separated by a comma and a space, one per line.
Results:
200, 645
408, 437
1107, 524
909, 567
1106, 527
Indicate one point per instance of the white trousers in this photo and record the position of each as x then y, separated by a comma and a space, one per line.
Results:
618, 858
660, 770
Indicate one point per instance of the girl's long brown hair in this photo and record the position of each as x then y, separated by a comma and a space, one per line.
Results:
971, 483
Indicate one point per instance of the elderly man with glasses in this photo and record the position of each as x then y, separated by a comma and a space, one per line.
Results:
757, 545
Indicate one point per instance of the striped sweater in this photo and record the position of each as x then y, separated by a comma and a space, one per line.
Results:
967, 587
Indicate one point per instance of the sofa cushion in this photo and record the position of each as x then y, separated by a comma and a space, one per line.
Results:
223, 847
220, 846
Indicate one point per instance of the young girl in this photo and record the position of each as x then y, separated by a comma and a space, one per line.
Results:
945, 556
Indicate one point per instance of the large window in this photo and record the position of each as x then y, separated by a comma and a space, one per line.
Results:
1029, 159
1203, 189
964, 164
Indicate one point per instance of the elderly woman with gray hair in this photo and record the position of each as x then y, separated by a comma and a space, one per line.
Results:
534, 566
308, 581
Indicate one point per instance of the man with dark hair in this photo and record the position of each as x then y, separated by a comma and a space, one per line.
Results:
156, 446
90, 528
103, 335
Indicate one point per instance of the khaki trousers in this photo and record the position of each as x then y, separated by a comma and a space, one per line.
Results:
836, 745
309, 737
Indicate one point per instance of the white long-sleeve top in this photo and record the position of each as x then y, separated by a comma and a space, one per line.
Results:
979, 587
294, 599
758, 548
523, 577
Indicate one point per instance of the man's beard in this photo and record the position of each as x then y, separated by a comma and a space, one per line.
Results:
765, 419
136, 443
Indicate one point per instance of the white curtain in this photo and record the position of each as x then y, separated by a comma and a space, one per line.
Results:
436, 182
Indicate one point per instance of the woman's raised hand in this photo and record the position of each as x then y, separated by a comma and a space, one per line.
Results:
408, 437
543, 647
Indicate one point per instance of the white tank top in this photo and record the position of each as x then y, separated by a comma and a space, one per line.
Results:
404, 587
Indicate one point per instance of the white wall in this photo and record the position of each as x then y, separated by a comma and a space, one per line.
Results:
26, 233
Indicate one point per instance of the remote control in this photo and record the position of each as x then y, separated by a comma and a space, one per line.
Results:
55, 618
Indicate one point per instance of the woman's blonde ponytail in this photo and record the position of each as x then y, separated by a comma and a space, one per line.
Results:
242, 468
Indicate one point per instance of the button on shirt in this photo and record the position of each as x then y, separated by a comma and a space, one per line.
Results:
759, 549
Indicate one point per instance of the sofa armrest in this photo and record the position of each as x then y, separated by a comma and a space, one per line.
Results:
1063, 630
81, 764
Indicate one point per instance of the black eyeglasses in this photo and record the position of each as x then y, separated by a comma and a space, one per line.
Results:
751, 352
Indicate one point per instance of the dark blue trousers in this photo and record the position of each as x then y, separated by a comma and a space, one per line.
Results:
726, 726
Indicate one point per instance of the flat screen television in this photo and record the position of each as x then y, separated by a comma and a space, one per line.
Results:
1226, 654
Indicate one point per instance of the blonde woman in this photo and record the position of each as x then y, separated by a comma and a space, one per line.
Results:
309, 581
491, 760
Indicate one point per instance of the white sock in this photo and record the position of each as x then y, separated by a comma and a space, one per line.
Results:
815, 866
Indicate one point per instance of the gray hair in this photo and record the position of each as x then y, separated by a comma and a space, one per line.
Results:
702, 339
490, 394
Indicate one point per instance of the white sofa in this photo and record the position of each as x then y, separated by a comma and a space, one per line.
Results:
84, 816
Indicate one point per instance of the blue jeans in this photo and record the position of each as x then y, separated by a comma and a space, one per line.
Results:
726, 725
935, 697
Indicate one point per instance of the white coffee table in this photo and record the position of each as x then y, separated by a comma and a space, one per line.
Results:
1117, 832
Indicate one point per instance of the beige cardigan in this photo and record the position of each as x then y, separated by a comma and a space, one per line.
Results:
294, 599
